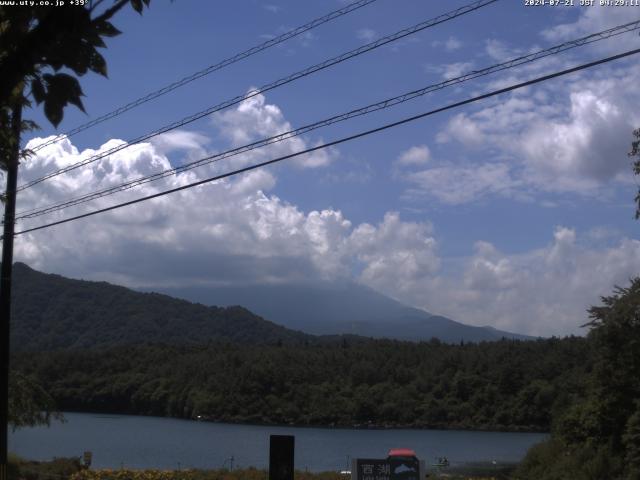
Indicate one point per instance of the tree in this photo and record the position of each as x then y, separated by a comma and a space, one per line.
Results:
599, 435
41, 48
631, 440
29, 403
635, 152
38, 42
615, 332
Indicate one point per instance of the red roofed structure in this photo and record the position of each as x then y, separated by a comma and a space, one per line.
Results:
401, 452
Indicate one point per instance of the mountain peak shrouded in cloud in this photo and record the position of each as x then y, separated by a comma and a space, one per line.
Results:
236, 233
324, 308
71, 314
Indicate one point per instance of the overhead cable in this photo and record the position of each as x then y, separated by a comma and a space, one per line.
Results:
595, 37
211, 68
278, 83
337, 142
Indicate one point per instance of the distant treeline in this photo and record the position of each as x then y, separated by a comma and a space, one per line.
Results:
505, 385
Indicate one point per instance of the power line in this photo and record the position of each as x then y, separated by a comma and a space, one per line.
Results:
212, 68
339, 141
283, 81
595, 37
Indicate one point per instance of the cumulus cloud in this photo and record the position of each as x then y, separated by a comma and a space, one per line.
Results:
227, 232
541, 292
224, 219
548, 290
583, 150
568, 136
237, 231
394, 252
568, 140
463, 129
418, 155
212, 233
255, 119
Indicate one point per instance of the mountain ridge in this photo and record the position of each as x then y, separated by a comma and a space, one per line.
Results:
342, 308
54, 312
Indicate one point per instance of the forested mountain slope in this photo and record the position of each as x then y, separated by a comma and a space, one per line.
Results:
54, 312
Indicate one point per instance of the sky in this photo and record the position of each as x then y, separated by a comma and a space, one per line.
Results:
515, 212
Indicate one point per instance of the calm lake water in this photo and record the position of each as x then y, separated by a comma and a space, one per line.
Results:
151, 442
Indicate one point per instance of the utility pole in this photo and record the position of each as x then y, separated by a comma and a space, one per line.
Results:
5, 278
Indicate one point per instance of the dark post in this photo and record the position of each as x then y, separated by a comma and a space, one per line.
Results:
5, 283
281, 450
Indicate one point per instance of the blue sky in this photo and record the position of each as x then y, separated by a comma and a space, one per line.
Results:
516, 212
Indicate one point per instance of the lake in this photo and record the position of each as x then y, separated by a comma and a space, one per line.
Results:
151, 442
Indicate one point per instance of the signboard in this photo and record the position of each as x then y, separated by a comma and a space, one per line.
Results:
392, 468
87, 457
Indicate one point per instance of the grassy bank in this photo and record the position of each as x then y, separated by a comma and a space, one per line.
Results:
472, 473
58, 468
72, 469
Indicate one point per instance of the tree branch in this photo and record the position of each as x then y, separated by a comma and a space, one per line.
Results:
110, 12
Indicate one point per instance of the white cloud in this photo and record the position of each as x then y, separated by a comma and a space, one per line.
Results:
498, 51
541, 292
307, 38
544, 291
229, 231
453, 70
255, 119
591, 20
176, 140
583, 150
418, 155
568, 140
394, 253
450, 44
222, 223
236, 232
463, 129
272, 8
454, 185
366, 35
226, 232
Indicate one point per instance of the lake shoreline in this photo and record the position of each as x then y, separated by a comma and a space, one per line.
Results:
367, 426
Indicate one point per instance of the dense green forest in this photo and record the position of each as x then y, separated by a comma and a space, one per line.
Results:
505, 385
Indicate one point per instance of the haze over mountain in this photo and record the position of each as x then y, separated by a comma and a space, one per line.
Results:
340, 308
54, 312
